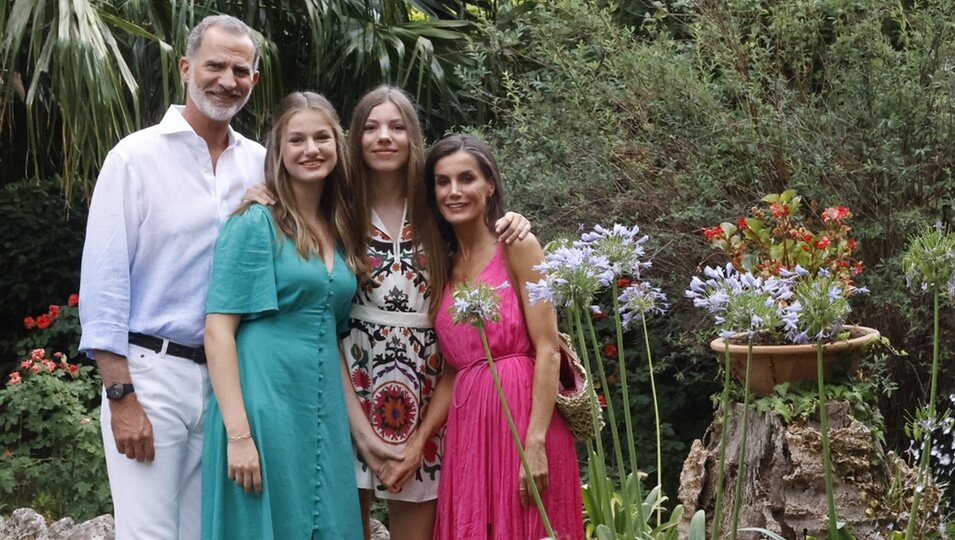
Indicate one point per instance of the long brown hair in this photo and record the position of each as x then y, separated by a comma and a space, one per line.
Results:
335, 202
495, 205
423, 226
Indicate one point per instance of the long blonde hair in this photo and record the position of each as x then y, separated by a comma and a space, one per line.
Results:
336, 199
423, 225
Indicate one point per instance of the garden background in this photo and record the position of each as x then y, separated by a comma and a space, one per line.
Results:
672, 115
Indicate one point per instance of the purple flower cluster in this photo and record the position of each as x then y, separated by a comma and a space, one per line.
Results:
796, 306
575, 271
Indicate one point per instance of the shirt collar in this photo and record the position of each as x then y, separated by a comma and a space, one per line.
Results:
174, 122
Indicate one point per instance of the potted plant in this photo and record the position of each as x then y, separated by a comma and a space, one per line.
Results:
776, 241
784, 294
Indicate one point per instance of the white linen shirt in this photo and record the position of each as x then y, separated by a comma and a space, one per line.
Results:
153, 222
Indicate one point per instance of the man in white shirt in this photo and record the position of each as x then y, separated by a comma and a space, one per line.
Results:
159, 200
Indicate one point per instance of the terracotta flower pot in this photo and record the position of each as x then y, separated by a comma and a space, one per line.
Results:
776, 364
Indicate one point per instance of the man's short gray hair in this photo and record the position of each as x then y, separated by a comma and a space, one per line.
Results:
225, 22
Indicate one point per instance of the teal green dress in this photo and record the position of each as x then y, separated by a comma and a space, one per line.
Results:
292, 312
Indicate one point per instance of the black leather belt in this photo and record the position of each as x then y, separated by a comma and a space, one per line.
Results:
196, 354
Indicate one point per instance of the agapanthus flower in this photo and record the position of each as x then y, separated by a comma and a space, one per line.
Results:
622, 246
742, 302
475, 303
823, 306
640, 299
572, 276
929, 262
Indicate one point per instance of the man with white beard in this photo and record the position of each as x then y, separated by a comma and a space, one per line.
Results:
159, 200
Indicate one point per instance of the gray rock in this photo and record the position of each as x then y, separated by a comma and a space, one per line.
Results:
101, 528
378, 530
24, 524
61, 528
784, 486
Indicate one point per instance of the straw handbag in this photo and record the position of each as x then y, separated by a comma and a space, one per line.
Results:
576, 397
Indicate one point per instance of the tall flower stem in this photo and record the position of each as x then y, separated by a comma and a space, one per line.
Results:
741, 460
624, 387
824, 431
724, 436
656, 414
528, 477
617, 449
600, 463
922, 477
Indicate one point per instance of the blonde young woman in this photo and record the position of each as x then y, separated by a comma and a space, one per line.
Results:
391, 354
277, 456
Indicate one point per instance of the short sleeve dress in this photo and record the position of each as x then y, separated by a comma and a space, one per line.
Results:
292, 311
393, 357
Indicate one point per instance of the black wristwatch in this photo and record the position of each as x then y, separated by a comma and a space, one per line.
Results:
118, 390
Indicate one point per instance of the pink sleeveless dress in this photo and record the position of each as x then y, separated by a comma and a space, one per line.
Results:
478, 494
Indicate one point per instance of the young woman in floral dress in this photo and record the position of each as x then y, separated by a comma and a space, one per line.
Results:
391, 353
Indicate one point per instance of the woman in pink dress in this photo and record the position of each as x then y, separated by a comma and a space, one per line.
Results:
483, 492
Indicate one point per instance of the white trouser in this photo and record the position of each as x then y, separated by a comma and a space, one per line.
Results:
160, 500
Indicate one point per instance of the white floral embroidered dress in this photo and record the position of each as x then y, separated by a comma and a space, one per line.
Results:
393, 357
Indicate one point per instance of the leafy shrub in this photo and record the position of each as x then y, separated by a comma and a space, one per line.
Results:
847, 100
42, 242
51, 453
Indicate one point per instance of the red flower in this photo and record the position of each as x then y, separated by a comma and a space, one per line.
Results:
8, 453
601, 400
851, 243
857, 268
822, 243
74, 369
50, 366
36, 368
623, 283
778, 210
14, 378
73, 300
609, 350
54, 311
360, 378
597, 315
26, 364
430, 451
713, 232
807, 238
837, 213
28, 322
43, 321
741, 222
37, 354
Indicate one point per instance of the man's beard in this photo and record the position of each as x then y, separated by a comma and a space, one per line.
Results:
210, 109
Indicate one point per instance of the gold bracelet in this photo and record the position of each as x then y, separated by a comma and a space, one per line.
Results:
239, 437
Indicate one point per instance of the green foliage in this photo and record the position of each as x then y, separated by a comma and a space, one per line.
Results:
52, 452
42, 243
66, 119
840, 100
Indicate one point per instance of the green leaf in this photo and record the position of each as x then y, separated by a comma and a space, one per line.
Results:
603, 532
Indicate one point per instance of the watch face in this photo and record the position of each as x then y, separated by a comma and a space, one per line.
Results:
116, 391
